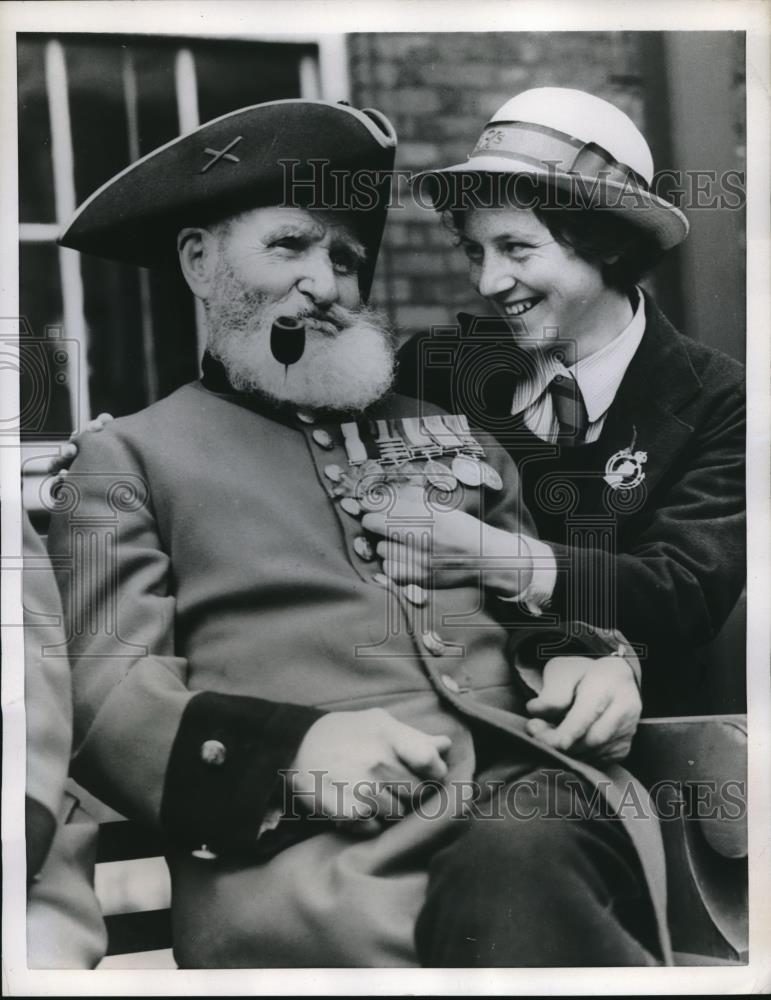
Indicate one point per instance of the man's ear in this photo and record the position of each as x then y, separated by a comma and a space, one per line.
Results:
197, 249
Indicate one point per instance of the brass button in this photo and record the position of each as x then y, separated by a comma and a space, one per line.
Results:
450, 683
333, 472
434, 644
306, 417
415, 595
213, 752
204, 854
351, 506
323, 439
363, 548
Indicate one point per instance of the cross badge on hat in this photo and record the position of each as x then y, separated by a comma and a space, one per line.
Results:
221, 154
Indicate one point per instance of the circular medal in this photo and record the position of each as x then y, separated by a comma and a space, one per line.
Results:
333, 473
440, 475
490, 477
467, 470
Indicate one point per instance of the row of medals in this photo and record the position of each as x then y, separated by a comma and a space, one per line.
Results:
445, 446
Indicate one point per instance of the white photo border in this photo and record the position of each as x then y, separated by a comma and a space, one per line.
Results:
258, 18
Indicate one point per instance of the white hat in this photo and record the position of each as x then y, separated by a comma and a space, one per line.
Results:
577, 143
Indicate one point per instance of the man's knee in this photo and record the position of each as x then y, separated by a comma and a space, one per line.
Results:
516, 849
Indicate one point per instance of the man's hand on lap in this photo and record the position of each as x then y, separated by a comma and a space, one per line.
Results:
348, 760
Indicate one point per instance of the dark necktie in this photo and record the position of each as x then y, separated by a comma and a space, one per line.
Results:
570, 409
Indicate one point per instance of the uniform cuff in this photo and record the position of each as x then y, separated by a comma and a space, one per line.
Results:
538, 593
223, 774
571, 639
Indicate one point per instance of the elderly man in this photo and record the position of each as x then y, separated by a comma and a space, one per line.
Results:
302, 723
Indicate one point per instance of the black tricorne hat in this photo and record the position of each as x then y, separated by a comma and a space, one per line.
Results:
281, 152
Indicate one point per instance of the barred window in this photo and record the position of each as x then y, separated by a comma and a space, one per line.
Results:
97, 334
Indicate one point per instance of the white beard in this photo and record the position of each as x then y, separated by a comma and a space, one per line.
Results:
349, 362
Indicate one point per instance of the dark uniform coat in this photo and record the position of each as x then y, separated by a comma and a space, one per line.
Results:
663, 558
218, 601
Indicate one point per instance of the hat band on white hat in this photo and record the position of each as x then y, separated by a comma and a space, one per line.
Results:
546, 148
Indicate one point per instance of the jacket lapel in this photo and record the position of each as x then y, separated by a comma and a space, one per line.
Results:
658, 383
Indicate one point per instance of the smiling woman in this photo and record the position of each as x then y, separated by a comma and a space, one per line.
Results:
629, 437
523, 267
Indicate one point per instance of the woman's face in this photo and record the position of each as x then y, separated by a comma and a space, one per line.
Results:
525, 274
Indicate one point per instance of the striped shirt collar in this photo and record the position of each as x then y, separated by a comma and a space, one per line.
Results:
598, 376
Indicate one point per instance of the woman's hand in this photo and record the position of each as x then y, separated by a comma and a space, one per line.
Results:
69, 451
446, 548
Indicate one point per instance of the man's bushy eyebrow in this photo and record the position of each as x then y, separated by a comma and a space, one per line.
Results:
306, 227
351, 244
303, 227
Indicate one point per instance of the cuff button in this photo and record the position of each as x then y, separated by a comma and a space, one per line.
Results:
204, 853
213, 752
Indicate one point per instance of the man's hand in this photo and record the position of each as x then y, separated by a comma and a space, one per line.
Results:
461, 544
69, 451
346, 758
597, 701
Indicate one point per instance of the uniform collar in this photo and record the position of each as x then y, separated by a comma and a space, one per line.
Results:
214, 379
600, 374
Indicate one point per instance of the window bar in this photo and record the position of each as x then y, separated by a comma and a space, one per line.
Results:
148, 337
38, 232
69, 261
187, 108
333, 68
310, 81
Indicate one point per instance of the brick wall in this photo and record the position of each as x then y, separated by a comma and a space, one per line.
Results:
439, 89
